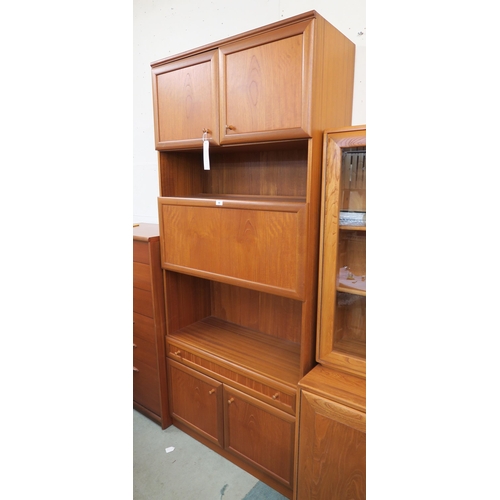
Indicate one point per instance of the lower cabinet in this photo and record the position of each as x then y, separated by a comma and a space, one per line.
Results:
242, 426
331, 444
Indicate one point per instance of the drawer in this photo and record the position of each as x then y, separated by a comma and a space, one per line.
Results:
262, 247
145, 351
143, 302
144, 327
141, 252
142, 276
255, 386
146, 386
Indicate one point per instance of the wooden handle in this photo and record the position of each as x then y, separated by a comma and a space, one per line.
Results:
230, 127
136, 369
177, 353
211, 391
276, 396
134, 345
229, 401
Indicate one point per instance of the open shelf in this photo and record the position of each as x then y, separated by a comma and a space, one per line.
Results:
247, 349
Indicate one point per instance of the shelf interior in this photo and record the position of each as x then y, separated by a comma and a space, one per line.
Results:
280, 171
235, 345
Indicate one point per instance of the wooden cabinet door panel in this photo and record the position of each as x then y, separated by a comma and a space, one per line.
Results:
259, 434
196, 400
260, 249
186, 102
331, 450
265, 85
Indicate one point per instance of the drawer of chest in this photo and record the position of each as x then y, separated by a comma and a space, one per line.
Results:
144, 327
145, 351
147, 386
142, 276
141, 252
259, 387
143, 302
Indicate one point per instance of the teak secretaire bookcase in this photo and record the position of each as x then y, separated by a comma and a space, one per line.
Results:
239, 233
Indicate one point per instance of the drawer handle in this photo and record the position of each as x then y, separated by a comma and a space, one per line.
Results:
211, 391
136, 369
230, 127
177, 353
229, 401
276, 396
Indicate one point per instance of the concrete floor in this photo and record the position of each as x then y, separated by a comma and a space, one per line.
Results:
190, 472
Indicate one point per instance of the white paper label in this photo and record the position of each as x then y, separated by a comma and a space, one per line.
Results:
206, 158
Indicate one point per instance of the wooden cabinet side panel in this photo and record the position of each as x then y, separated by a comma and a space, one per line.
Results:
158, 297
331, 451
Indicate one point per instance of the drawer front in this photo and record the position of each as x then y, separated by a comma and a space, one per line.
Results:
142, 276
146, 386
143, 302
145, 351
144, 327
141, 252
263, 249
275, 396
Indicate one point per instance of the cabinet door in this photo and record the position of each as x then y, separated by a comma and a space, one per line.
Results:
259, 434
196, 400
262, 248
331, 450
265, 85
186, 102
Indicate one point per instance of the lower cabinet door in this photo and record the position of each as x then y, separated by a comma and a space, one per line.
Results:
331, 450
196, 400
259, 434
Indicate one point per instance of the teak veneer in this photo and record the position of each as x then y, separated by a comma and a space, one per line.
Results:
239, 241
331, 404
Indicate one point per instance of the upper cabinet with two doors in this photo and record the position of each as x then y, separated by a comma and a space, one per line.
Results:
263, 86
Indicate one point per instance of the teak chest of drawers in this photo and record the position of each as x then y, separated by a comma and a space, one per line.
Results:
149, 371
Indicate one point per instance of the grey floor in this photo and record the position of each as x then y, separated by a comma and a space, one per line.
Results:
190, 472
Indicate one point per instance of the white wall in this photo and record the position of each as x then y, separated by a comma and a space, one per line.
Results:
167, 27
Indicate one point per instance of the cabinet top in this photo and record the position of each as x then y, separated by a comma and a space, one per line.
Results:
341, 387
269, 27
146, 231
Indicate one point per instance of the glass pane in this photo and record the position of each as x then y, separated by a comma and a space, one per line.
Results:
353, 187
350, 317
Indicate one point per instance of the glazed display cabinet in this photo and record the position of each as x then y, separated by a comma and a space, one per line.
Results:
331, 434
